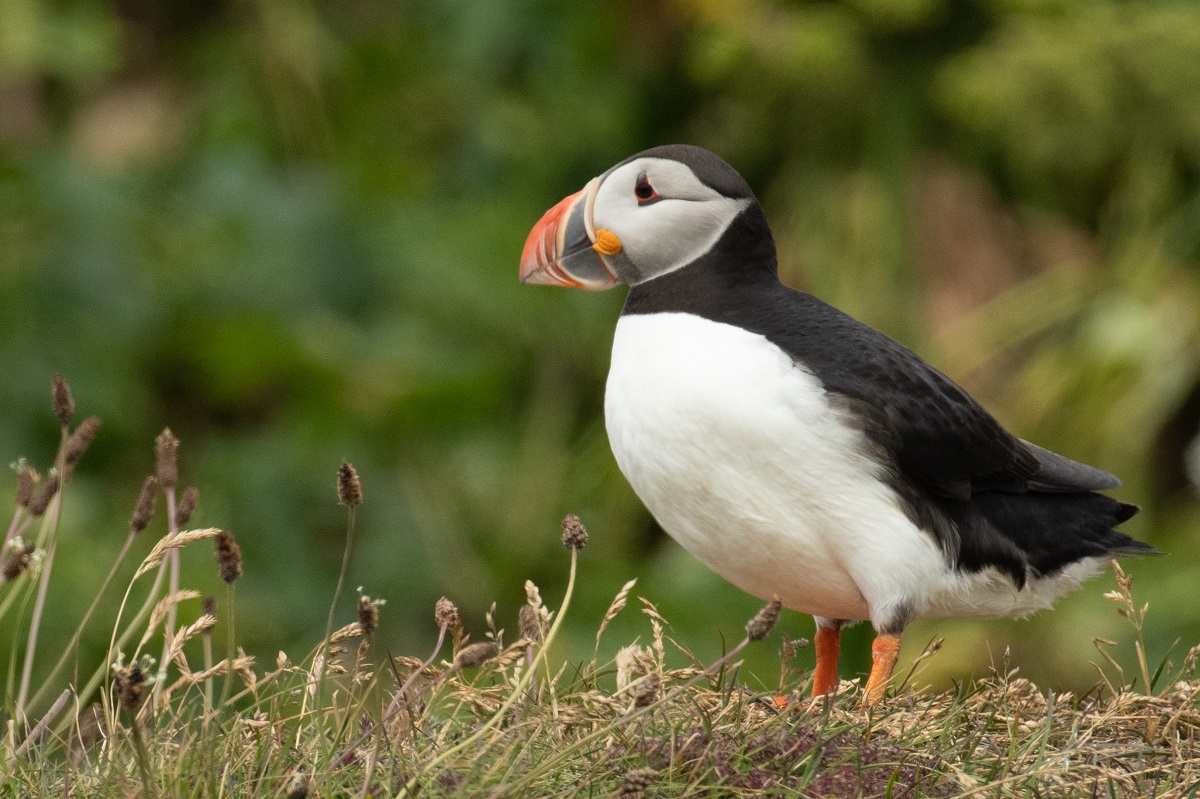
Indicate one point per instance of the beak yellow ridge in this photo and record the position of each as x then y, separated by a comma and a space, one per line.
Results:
607, 242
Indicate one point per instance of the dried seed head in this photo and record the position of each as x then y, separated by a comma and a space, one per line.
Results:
229, 557
19, 560
144, 510
636, 782
210, 606
574, 534
79, 441
368, 614
758, 627
45, 493
186, 507
13, 566
27, 480
297, 787
445, 614
166, 449
790, 647
349, 488
527, 623
130, 684
64, 403
475, 654
646, 690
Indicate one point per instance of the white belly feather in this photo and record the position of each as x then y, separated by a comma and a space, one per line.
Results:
741, 458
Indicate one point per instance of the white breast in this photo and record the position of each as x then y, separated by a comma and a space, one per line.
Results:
739, 455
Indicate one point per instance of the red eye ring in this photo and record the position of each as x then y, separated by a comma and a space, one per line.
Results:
644, 192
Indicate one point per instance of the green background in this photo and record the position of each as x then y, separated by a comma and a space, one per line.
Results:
290, 232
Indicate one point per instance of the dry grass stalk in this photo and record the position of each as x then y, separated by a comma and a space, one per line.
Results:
533, 598
243, 666
190, 678
633, 661
44, 723
657, 623
160, 612
351, 630
164, 545
176, 640
617, 605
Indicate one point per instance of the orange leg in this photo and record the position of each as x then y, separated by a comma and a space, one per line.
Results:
884, 651
829, 645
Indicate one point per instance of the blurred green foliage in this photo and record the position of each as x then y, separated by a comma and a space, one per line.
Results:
289, 230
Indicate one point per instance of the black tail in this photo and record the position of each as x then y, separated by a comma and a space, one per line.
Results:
1035, 534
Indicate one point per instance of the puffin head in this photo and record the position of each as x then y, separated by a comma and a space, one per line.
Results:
647, 216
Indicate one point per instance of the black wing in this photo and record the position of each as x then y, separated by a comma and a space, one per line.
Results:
937, 435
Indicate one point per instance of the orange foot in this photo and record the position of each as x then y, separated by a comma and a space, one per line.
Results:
884, 651
829, 647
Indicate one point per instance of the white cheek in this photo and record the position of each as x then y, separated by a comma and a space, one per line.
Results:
661, 237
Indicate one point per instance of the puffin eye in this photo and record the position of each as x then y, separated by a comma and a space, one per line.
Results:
644, 191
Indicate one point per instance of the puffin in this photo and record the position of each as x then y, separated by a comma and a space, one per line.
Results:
795, 451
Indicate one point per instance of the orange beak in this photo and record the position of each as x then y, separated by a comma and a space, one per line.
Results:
560, 250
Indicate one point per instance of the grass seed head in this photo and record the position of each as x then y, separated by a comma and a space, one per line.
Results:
27, 480
368, 614
13, 565
64, 403
636, 782
297, 787
349, 488
186, 507
79, 441
45, 493
144, 510
229, 557
445, 614
130, 685
210, 606
527, 623
790, 647
19, 560
166, 449
758, 627
574, 534
475, 654
646, 690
